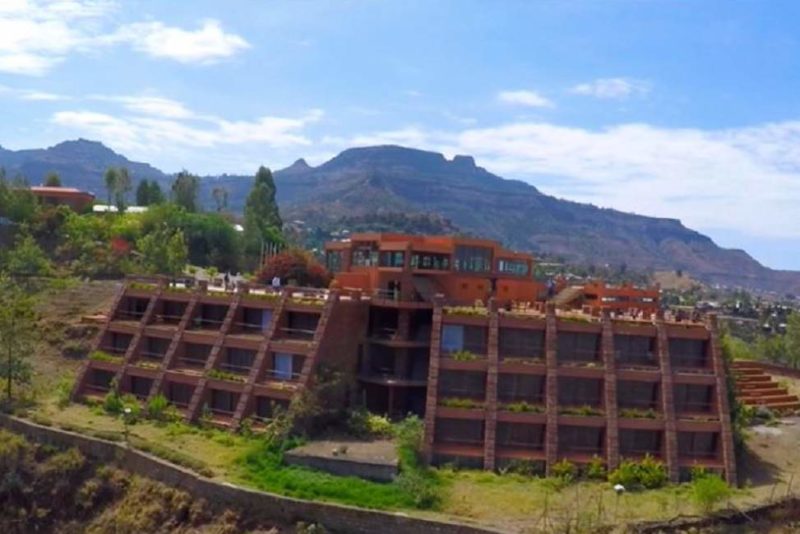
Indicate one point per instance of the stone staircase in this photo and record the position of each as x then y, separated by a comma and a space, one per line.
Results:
755, 387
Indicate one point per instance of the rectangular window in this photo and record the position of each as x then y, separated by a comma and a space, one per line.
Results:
637, 394
459, 431
179, 394
635, 350
695, 398
284, 368
238, 360
333, 260
452, 338
522, 436
436, 262
520, 387
639, 442
521, 343
223, 401
580, 392
580, 439
473, 259
687, 353
468, 384
697, 444
365, 256
575, 347
514, 267
392, 259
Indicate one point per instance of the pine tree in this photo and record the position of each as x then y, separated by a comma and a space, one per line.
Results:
262, 219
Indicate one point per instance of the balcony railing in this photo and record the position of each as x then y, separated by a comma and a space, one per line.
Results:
150, 355
161, 318
128, 315
634, 360
519, 444
700, 455
680, 361
238, 369
694, 407
192, 362
250, 328
282, 376
579, 356
296, 334
201, 323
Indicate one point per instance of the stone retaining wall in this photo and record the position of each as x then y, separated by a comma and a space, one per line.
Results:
255, 504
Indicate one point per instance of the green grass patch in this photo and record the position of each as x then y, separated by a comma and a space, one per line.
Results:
263, 468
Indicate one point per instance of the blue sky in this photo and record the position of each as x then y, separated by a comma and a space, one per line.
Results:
665, 108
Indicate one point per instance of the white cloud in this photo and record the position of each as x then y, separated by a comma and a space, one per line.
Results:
612, 88
529, 99
42, 96
745, 179
204, 45
36, 35
151, 126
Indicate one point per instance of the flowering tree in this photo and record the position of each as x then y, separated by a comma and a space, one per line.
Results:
295, 266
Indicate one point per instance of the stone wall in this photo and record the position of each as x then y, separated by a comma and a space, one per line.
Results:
255, 504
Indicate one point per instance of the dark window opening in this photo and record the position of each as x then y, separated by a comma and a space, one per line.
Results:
637, 395
635, 350
688, 353
580, 439
693, 398
521, 343
522, 436
580, 392
465, 431
639, 442
468, 384
576, 347
520, 388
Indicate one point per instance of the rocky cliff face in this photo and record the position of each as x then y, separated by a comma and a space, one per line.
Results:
384, 181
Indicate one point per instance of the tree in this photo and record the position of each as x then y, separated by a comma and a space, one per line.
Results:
52, 180
220, 195
27, 258
111, 177
17, 334
184, 190
297, 266
164, 251
792, 339
149, 193
123, 186
262, 220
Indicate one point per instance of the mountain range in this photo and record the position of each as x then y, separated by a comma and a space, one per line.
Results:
393, 181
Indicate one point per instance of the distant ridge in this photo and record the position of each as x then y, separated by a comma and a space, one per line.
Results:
361, 182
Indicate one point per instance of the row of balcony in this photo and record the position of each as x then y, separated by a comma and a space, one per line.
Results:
526, 394
469, 342
220, 403
463, 437
234, 364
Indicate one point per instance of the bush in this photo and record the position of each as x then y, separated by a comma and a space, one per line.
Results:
708, 490
363, 424
526, 468
410, 434
596, 469
112, 403
564, 470
64, 391
421, 486
157, 407
648, 474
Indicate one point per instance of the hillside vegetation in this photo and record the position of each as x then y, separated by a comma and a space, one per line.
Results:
390, 180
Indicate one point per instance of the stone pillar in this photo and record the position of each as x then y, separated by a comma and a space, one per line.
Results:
490, 423
668, 406
551, 387
431, 399
722, 401
610, 383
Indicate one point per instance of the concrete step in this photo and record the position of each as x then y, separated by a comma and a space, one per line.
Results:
756, 386
745, 364
747, 371
753, 378
772, 392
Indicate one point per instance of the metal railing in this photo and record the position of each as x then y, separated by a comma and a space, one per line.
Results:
161, 318
636, 358
696, 407
127, 315
193, 362
296, 334
120, 351
530, 445
274, 374
579, 355
202, 323
151, 355
251, 327
238, 369
683, 361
